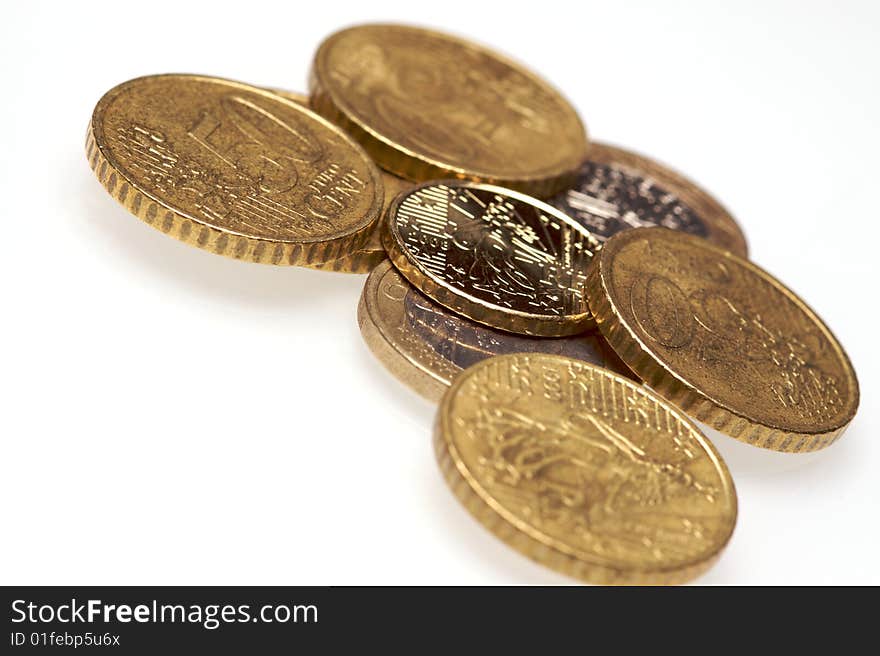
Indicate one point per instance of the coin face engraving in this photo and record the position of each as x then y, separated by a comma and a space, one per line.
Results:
730, 331
486, 245
372, 253
452, 104
662, 311
588, 464
237, 195
607, 199
237, 159
619, 190
464, 343
437, 344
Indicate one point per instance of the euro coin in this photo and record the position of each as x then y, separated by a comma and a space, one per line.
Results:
618, 189
494, 255
584, 471
428, 105
373, 253
425, 345
367, 258
722, 339
234, 169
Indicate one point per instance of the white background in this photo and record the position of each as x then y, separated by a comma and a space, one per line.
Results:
174, 417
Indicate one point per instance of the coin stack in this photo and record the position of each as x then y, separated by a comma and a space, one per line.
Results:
571, 305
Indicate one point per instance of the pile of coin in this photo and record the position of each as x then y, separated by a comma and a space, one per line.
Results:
569, 304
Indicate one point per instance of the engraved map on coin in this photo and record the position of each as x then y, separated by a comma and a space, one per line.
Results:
449, 102
608, 199
732, 332
498, 257
596, 467
237, 159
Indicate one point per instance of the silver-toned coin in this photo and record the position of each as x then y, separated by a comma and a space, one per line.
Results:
618, 189
426, 346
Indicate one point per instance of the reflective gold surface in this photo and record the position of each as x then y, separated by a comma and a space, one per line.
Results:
496, 256
619, 189
368, 257
722, 339
373, 253
234, 169
584, 471
365, 259
426, 346
427, 105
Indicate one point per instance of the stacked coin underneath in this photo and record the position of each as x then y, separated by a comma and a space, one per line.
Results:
569, 304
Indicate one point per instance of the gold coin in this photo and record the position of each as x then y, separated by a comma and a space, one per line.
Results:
618, 189
373, 253
295, 96
394, 185
428, 105
426, 346
722, 339
362, 260
367, 258
584, 471
496, 256
234, 169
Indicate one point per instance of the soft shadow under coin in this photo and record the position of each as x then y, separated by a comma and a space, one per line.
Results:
473, 541
420, 411
203, 272
746, 460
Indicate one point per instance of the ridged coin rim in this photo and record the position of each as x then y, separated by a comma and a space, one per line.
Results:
191, 230
638, 356
531, 543
418, 167
723, 228
463, 303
